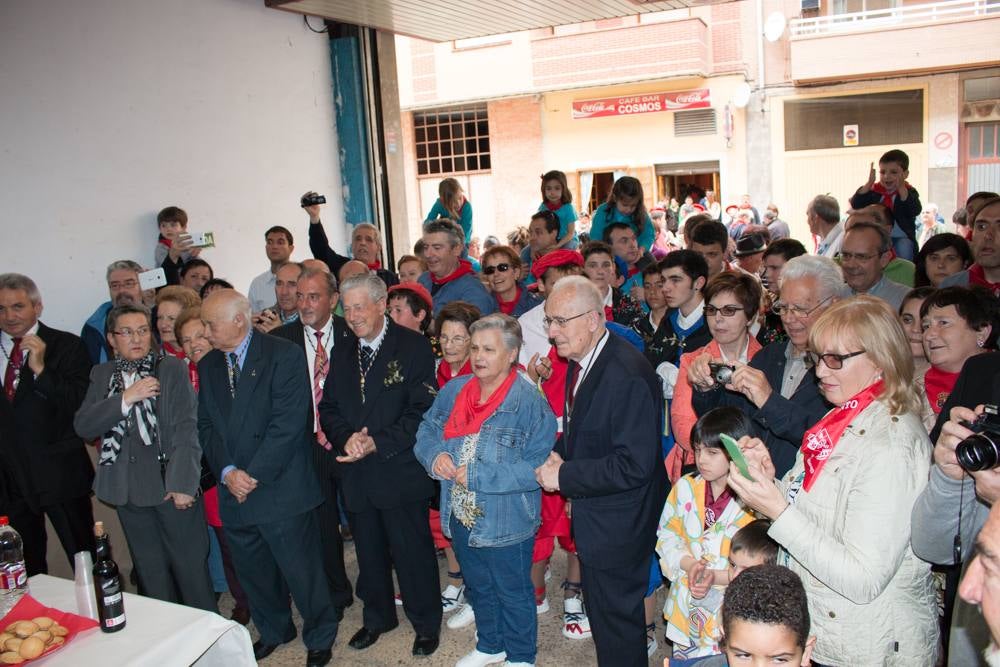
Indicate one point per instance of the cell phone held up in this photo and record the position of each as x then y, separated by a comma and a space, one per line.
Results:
312, 199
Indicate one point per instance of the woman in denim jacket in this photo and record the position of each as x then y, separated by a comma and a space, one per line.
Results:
483, 439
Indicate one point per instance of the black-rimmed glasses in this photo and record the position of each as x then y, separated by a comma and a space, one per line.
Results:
833, 361
502, 268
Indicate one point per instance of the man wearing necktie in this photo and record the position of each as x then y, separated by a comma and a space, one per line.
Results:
255, 422
381, 382
44, 466
317, 332
608, 463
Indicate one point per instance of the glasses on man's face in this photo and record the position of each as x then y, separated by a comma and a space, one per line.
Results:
561, 322
725, 311
798, 311
125, 284
858, 256
833, 361
502, 268
141, 332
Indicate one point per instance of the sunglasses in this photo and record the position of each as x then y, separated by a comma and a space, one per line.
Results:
502, 268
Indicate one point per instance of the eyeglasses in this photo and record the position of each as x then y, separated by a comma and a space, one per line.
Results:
125, 284
725, 311
502, 268
453, 340
797, 311
141, 332
561, 322
858, 256
833, 361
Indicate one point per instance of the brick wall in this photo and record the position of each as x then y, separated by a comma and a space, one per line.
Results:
424, 71
648, 51
516, 147
727, 38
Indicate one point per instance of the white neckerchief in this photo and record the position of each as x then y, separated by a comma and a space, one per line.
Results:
377, 343
687, 321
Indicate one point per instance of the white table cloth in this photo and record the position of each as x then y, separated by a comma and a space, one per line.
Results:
157, 634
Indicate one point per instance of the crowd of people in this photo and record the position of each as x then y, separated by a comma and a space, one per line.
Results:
800, 442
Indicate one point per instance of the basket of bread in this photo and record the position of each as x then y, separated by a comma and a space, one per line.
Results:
31, 630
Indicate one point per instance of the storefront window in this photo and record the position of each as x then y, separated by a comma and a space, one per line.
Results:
883, 119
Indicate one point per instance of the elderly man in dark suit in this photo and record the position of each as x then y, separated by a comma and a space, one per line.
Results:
381, 383
255, 421
44, 467
608, 462
317, 332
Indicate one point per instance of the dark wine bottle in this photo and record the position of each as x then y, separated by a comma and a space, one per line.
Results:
107, 583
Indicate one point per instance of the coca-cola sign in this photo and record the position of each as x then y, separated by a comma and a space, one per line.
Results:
650, 103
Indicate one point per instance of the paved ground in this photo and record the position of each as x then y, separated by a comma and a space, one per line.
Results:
393, 648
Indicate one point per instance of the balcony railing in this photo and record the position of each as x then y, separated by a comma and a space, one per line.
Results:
903, 16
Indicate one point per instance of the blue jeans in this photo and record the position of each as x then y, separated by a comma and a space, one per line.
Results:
498, 585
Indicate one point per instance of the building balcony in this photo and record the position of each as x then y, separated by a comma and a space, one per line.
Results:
937, 36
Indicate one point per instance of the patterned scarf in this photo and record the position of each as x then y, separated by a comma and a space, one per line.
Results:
144, 410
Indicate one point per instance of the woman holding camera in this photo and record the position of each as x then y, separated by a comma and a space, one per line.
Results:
732, 302
841, 514
958, 323
144, 410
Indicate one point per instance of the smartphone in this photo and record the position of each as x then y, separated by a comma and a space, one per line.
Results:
152, 279
736, 455
202, 239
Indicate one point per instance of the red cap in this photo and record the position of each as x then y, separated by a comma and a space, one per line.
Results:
417, 289
559, 257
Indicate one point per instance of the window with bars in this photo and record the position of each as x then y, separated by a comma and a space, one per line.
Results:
453, 140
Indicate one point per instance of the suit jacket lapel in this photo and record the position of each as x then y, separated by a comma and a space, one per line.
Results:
247, 382
375, 380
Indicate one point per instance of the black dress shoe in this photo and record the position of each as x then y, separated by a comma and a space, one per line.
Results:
262, 650
318, 658
425, 645
364, 638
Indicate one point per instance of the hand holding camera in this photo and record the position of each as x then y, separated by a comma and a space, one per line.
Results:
311, 201
970, 442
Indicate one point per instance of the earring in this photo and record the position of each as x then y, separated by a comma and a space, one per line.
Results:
980, 342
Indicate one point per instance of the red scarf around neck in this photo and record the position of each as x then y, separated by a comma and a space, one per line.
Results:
554, 387
977, 276
938, 385
507, 307
464, 267
888, 198
553, 206
468, 414
819, 441
444, 372
376, 265
714, 507
165, 241
193, 375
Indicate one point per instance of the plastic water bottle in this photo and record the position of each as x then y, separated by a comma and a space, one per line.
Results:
13, 575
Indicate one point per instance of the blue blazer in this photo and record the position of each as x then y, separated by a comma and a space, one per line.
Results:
265, 430
614, 470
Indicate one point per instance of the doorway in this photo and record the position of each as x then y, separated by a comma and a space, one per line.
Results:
679, 180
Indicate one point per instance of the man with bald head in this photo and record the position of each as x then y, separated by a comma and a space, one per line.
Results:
608, 462
255, 422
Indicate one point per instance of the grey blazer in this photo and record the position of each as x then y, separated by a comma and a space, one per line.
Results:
134, 477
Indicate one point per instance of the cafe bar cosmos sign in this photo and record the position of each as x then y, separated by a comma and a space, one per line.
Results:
678, 100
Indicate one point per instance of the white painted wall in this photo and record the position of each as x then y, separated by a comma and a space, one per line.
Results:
112, 109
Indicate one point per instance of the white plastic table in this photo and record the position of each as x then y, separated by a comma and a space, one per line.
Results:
157, 634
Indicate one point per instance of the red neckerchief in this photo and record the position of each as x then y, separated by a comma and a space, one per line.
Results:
888, 198
553, 207
165, 241
468, 414
464, 267
174, 351
714, 507
634, 270
193, 375
977, 276
507, 307
938, 385
444, 372
819, 441
376, 265
609, 314
555, 387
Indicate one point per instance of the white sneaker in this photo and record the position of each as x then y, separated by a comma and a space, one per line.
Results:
576, 625
480, 659
542, 607
452, 598
651, 644
398, 599
463, 617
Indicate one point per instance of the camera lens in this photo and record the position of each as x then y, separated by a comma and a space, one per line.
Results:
979, 451
723, 374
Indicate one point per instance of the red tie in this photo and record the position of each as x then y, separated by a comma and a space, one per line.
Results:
13, 370
320, 369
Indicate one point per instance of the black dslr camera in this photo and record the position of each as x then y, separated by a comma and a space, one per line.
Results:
722, 373
981, 450
312, 199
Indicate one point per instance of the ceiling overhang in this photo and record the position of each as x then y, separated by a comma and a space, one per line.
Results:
447, 20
